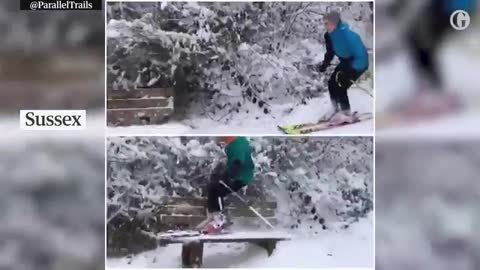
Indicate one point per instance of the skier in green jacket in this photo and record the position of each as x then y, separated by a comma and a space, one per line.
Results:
237, 173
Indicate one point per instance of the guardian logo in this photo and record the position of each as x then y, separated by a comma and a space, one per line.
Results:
53, 119
460, 20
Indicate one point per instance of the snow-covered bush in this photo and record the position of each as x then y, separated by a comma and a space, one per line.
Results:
52, 203
225, 54
46, 32
427, 214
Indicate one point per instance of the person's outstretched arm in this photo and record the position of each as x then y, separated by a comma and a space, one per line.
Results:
329, 54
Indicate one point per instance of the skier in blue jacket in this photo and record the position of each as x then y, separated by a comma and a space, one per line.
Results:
348, 47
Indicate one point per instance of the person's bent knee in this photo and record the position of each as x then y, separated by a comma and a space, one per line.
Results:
332, 84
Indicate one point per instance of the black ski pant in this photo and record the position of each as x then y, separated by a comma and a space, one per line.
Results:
425, 38
217, 191
342, 78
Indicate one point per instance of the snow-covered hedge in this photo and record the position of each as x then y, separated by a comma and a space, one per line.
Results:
29, 32
52, 203
427, 214
222, 55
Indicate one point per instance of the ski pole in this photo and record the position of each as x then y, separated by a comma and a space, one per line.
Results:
246, 204
362, 88
353, 82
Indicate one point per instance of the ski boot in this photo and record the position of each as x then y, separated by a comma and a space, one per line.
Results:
343, 117
334, 109
215, 225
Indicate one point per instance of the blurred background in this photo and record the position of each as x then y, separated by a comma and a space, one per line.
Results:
52, 203
427, 205
50, 59
426, 71
427, 168
52, 185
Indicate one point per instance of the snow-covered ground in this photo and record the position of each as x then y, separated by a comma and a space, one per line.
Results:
333, 249
265, 124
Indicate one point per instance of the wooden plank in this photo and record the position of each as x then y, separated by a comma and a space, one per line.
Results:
192, 255
138, 103
255, 202
182, 220
174, 201
203, 202
263, 238
141, 110
194, 220
140, 93
187, 210
201, 211
128, 117
245, 212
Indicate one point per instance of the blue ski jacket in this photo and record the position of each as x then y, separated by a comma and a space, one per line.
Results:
346, 45
449, 6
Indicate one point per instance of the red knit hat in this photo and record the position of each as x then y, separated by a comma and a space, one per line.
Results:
229, 139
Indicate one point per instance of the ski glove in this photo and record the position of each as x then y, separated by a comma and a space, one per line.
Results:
344, 78
321, 68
